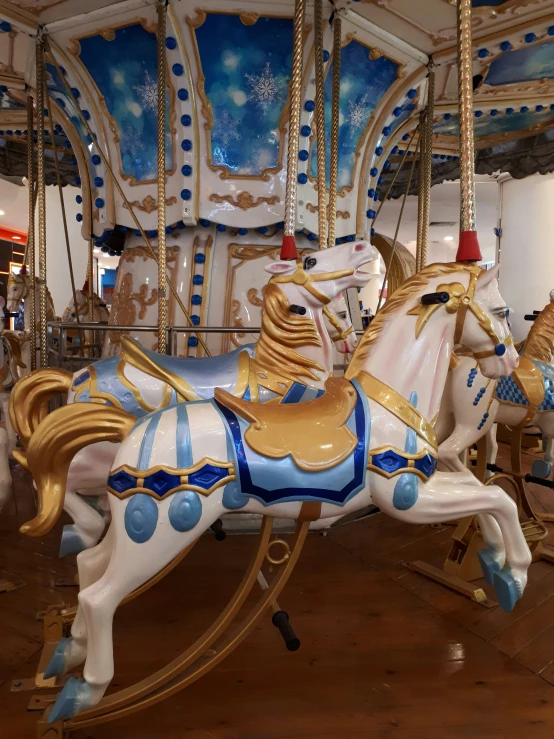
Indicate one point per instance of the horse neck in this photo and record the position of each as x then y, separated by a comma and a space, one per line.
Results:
320, 357
408, 364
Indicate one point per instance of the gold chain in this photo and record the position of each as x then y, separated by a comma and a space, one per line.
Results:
162, 268
320, 126
41, 207
30, 247
427, 154
335, 111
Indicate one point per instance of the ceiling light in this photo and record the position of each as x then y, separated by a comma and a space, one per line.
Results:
18, 238
449, 238
2, 213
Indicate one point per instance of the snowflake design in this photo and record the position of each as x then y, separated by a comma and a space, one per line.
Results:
265, 89
133, 141
225, 129
357, 112
148, 92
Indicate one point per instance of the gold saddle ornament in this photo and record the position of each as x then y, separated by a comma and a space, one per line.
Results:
528, 377
314, 433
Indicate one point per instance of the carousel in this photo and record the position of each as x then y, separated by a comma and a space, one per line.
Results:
273, 370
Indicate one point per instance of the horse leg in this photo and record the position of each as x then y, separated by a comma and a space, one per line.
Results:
543, 467
5, 474
445, 498
134, 560
12, 437
492, 447
72, 651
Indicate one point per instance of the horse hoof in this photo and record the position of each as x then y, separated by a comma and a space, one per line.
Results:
506, 589
489, 565
56, 666
74, 698
71, 542
541, 468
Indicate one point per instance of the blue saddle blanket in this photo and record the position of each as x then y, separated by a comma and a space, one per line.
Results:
281, 481
508, 392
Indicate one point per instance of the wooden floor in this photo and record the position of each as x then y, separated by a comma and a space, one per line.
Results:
386, 654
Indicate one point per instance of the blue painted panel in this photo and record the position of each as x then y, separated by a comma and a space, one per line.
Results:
8, 103
489, 125
364, 81
59, 94
487, 3
523, 65
125, 72
247, 71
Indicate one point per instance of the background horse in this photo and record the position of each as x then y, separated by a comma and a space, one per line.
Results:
367, 439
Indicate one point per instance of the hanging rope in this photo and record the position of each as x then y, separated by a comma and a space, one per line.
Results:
162, 268
400, 215
288, 248
320, 126
398, 169
30, 245
335, 112
468, 247
122, 194
43, 306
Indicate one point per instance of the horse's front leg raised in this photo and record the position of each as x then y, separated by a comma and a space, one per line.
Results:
445, 497
147, 536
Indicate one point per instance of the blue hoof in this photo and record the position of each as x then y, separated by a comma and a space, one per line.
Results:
541, 468
75, 697
56, 666
488, 564
71, 542
506, 590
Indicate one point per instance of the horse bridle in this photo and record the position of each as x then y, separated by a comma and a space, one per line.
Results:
306, 279
342, 334
457, 299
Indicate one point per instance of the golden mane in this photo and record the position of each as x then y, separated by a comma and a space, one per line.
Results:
282, 332
397, 300
539, 344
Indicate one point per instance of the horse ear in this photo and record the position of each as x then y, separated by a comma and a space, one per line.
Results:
487, 276
281, 268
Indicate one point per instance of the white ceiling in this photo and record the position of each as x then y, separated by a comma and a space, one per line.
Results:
445, 205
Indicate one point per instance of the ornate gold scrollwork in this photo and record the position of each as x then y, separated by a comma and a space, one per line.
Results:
149, 204
244, 200
339, 213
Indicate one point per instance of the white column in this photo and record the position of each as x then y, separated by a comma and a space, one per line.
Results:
526, 246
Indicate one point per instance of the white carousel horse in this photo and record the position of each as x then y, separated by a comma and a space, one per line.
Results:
366, 439
293, 349
473, 404
101, 312
339, 325
18, 292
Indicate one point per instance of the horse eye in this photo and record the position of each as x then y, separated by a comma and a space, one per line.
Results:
310, 262
342, 315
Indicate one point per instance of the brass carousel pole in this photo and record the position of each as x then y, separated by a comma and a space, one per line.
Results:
335, 111
426, 157
420, 189
468, 246
162, 269
320, 125
30, 248
39, 81
288, 247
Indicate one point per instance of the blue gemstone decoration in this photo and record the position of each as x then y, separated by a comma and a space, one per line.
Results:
96, 159
98, 181
374, 171
152, 234
397, 112
509, 111
326, 55
79, 199
183, 94
171, 43
185, 510
186, 120
77, 181
196, 299
186, 170
204, 222
386, 131
550, 31
309, 105
186, 194
141, 517
371, 213
373, 232
243, 231
177, 69
500, 350
379, 151
221, 227
303, 155
86, 115
493, 112
195, 320
279, 226
192, 340
186, 144
79, 217
405, 137
530, 37
312, 237
161, 482
524, 109
538, 109
5, 27
483, 53
207, 476
305, 130
199, 258
302, 178
371, 193
505, 46
447, 116
478, 113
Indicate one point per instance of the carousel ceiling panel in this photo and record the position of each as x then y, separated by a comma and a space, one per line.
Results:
64, 101
489, 129
366, 75
527, 64
123, 65
246, 64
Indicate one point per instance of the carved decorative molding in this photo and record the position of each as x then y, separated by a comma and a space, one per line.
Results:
244, 200
339, 214
149, 204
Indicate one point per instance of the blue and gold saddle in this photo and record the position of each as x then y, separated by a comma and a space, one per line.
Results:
527, 390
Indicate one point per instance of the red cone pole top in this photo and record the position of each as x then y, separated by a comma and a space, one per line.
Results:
85, 287
468, 247
288, 248
23, 270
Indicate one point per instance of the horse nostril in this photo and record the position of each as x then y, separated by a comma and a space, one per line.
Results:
360, 246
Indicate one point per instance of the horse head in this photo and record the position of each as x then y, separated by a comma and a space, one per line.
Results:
18, 288
339, 325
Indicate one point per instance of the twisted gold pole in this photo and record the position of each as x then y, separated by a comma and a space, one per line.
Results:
465, 106
320, 126
30, 247
162, 269
420, 188
39, 81
121, 193
294, 117
335, 111
427, 156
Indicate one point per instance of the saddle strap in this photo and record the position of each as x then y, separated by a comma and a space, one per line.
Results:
529, 380
310, 510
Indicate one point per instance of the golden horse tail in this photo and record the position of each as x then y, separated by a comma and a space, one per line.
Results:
30, 397
62, 434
